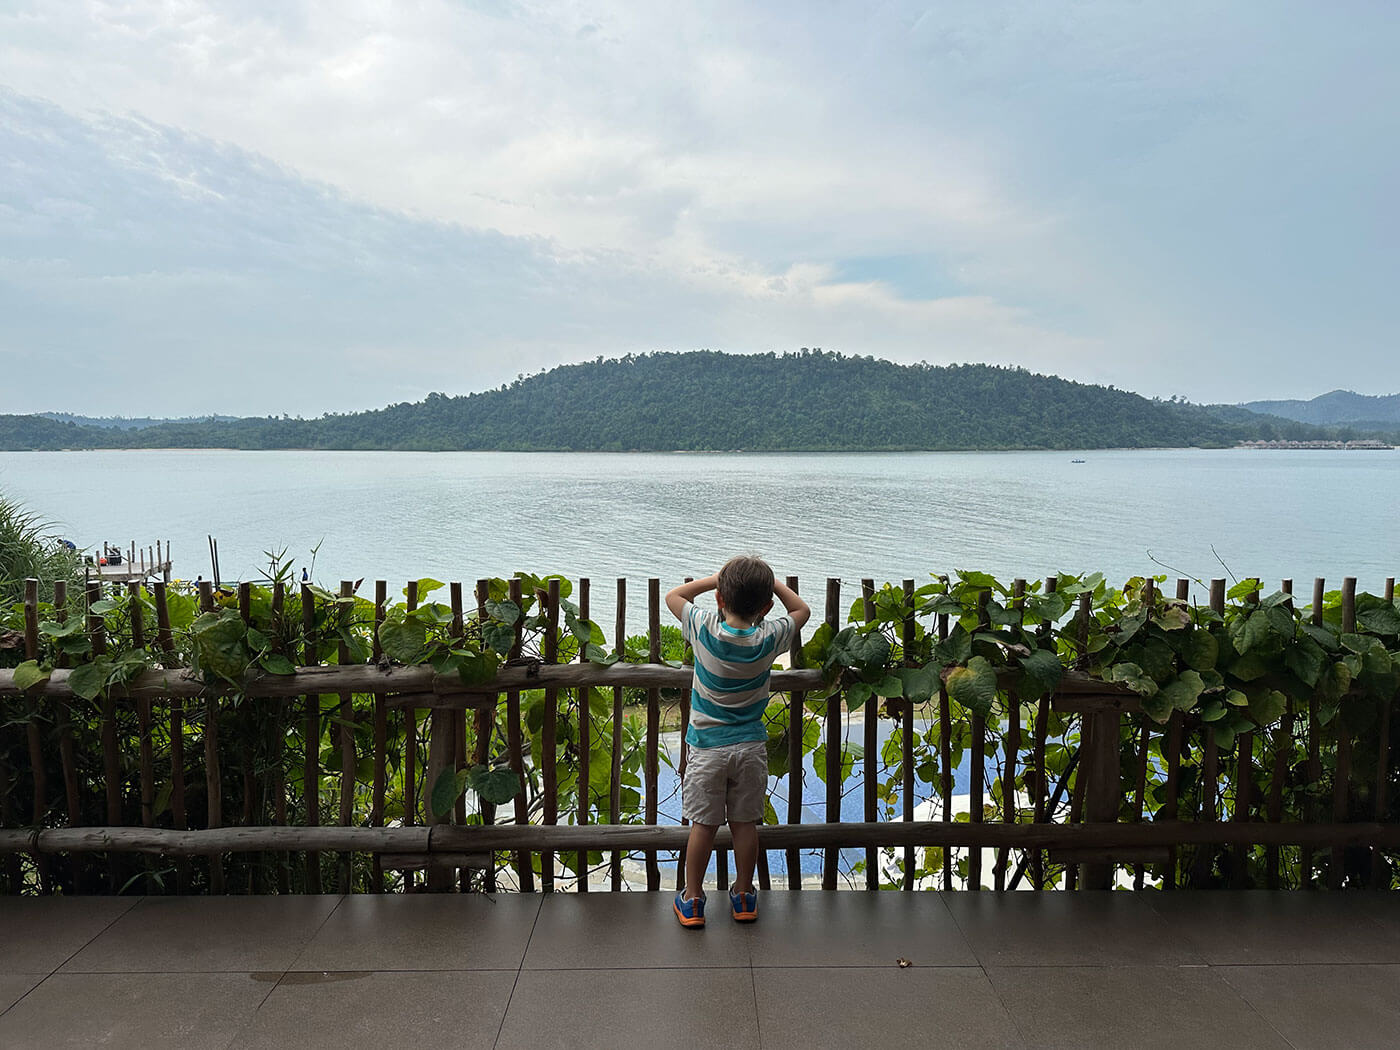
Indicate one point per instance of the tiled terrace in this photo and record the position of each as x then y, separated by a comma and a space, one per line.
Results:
1113, 970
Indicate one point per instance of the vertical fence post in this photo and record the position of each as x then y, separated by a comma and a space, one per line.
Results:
833, 744
1101, 778
279, 737
213, 774
653, 724
165, 638
381, 739
796, 725
1009, 808
524, 859
549, 744
1282, 741
485, 727
906, 740
311, 764
1042, 729
584, 694
35, 737
871, 744
1210, 770
1341, 780
146, 760
945, 756
615, 773
976, 809
442, 726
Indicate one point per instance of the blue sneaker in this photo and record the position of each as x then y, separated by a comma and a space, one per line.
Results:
691, 913
744, 906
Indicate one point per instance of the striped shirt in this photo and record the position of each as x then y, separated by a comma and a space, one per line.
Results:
730, 688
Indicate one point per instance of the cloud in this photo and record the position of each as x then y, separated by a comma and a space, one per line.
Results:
1178, 200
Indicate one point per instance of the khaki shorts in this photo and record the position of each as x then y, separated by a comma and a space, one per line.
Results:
728, 783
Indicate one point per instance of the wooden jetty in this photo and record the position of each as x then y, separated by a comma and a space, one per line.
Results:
138, 564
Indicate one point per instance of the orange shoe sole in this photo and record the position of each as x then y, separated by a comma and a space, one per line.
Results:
694, 923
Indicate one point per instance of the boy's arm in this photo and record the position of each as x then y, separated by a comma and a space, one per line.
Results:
799, 610
676, 597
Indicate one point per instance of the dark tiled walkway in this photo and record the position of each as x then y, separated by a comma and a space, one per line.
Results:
1117, 970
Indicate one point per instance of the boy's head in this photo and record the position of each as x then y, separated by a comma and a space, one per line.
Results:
746, 587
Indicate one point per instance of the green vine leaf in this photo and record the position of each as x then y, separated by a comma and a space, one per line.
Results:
494, 784
1042, 671
973, 686
1138, 681
1181, 692
1200, 650
403, 640
31, 673
88, 680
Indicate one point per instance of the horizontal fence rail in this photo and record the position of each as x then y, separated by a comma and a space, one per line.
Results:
179, 778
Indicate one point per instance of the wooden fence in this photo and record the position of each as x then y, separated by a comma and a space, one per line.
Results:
1132, 799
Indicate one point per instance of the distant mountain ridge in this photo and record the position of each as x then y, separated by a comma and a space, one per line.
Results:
705, 400
1337, 408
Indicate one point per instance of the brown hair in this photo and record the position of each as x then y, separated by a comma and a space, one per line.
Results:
746, 585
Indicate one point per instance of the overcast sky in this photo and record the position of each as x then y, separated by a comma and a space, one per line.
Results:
278, 206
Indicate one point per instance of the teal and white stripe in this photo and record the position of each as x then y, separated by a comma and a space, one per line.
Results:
730, 687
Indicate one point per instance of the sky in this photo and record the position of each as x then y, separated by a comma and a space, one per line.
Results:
274, 206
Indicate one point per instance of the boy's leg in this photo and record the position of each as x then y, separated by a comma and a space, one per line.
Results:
745, 854
697, 858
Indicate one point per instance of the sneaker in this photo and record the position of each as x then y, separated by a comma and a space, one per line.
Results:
690, 912
744, 906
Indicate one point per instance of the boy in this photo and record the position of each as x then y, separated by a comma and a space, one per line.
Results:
726, 773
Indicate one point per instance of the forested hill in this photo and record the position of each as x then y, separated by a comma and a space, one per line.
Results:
704, 400
1338, 408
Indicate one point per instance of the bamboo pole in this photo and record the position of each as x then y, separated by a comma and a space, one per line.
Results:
833, 743
906, 748
33, 736
381, 737
524, 861
1282, 741
485, 721
871, 743
1341, 780
410, 748
213, 774
243, 718
459, 731
278, 718
1312, 803
449, 838
796, 725
1009, 808
1203, 862
651, 757
976, 813
585, 740
146, 760
945, 756
1041, 731
64, 716
615, 773
549, 741
311, 764
348, 759
165, 638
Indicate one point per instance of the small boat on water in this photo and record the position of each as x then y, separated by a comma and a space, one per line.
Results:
1076, 461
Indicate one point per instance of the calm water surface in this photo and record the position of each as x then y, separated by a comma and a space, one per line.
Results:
402, 515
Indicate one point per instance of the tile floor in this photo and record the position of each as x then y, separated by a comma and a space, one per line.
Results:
1120, 970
